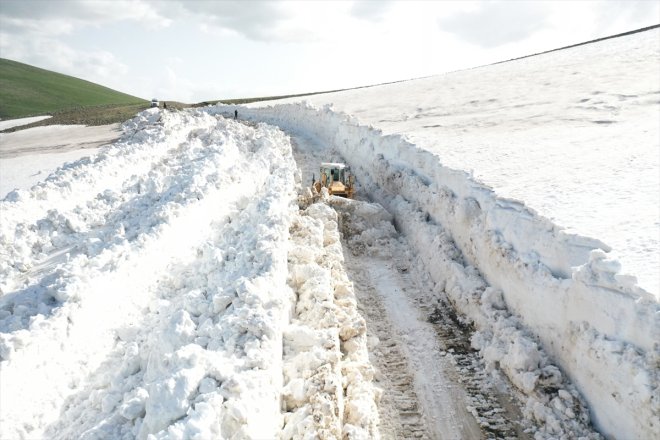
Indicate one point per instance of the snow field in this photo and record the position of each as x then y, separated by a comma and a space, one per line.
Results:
573, 133
528, 287
4, 125
153, 302
29, 156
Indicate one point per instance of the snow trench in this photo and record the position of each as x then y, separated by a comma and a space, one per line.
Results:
538, 297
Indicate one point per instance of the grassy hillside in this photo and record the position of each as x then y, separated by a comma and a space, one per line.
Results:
29, 91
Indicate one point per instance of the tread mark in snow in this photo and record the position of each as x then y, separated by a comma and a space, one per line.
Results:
420, 361
400, 417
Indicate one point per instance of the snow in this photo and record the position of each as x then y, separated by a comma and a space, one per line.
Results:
149, 292
537, 293
182, 282
575, 134
561, 292
326, 339
11, 123
29, 156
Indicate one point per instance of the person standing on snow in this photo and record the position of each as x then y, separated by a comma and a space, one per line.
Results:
235, 114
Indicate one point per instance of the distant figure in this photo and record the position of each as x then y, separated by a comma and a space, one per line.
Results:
164, 105
235, 114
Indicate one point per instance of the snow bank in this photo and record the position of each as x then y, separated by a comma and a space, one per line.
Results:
529, 287
151, 292
144, 289
573, 133
328, 391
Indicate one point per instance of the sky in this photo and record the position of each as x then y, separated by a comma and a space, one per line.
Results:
193, 51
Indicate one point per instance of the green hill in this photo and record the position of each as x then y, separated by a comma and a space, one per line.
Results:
29, 91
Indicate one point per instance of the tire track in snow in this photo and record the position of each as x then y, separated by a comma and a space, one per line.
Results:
490, 398
399, 409
424, 340
400, 415
426, 398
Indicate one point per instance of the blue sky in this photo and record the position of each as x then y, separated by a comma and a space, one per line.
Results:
203, 50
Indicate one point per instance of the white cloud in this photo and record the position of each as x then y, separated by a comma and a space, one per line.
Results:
494, 24
371, 10
79, 13
32, 31
256, 20
36, 27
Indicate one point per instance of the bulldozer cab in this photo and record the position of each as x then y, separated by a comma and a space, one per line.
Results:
337, 178
334, 172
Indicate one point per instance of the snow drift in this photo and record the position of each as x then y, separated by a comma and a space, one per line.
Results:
518, 277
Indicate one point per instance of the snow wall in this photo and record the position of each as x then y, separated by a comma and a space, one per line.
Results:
168, 287
596, 324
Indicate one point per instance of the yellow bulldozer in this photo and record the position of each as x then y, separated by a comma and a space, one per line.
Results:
337, 178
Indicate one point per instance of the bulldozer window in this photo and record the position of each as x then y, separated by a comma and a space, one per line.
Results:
337, 174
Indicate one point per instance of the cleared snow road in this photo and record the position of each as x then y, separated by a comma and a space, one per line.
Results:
425, 393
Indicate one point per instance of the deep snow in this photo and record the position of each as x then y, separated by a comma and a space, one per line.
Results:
131, 276
169, 286
152, 291
535, 292
575, 134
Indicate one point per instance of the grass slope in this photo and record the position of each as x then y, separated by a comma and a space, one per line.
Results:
29, 91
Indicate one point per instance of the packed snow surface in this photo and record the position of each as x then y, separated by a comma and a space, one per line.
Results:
575, 134
30, 156
11, 123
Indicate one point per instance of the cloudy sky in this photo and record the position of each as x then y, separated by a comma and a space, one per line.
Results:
192, 51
